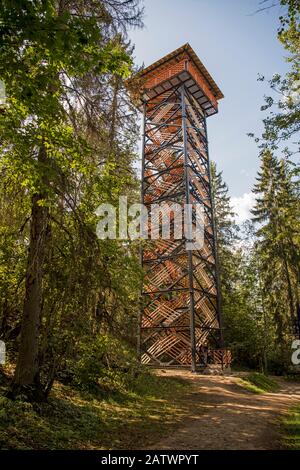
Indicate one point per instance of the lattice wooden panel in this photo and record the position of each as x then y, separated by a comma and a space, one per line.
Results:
179, 309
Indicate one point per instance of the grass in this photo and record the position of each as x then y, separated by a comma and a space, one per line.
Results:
73, 419
291, 429
259, 383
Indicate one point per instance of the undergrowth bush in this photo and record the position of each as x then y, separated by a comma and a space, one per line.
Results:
259, 383
105, 364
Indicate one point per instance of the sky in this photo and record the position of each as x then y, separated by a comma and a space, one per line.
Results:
235, 44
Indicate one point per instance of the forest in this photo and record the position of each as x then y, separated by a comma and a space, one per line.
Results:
69, 302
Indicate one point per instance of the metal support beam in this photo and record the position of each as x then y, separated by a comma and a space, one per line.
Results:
189, 253
181, 292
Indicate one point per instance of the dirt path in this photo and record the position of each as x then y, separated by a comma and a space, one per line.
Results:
225, 416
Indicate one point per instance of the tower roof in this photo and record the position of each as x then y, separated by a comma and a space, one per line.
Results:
175, 56
181, 66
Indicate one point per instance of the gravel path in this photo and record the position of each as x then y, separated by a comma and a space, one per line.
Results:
225, 416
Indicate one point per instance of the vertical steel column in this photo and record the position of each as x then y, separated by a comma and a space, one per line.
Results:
189, 253
215, 245
139, 339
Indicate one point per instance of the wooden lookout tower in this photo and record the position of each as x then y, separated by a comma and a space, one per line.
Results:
181, 312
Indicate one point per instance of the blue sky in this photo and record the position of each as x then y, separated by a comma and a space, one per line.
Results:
235, 45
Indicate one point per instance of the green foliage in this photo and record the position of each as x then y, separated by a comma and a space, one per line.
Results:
291, 429
105, 364
43, 48
291, 17
64, 67
243, 315
259, 383
76, 419
277, 211
261, 298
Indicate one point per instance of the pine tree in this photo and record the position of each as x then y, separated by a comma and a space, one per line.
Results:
226, 230
276, 213
246, 331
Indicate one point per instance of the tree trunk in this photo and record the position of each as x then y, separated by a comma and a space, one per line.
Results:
113, 113
26, 378
289, 290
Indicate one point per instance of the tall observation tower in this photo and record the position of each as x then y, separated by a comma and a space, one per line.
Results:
181, 314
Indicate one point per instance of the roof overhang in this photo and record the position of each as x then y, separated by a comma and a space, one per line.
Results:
181, 66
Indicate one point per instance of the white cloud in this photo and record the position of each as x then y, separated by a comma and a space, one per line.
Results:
242, 205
